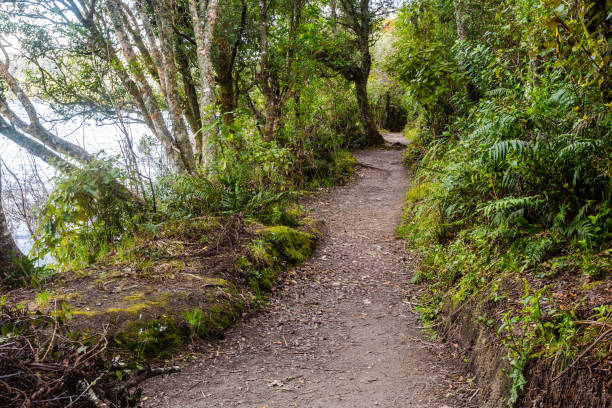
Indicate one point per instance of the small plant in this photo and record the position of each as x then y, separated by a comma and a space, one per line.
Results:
259, 252
43, 297
194, 319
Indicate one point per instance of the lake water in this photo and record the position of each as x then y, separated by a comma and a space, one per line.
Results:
93, 137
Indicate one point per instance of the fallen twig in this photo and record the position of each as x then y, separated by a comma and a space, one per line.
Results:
589, 348
150, 373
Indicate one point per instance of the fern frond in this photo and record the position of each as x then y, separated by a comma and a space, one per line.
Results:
578, 148
499, 92
499, 150
508, 204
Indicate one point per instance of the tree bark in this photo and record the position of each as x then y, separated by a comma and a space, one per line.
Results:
33, 147
165, 24
10, 272
267, 80
173, 152
373, 136
203, 28
460, 20
191, 104
225, 80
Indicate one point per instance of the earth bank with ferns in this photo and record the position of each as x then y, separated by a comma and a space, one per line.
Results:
510, 204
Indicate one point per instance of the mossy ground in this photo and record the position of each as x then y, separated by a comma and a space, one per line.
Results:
193, 278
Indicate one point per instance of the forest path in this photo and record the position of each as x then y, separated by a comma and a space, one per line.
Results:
340, 330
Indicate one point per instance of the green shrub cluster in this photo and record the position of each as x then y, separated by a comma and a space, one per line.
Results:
88, 216
512, 184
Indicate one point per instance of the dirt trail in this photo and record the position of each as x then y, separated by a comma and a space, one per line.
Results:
340, 331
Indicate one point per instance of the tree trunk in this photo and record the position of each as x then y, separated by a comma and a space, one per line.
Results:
10, 272
165, 24
270, 121
225, 80
227, 98
460, 20
173, 152
192, 106
267, 80
204, 20
373, 136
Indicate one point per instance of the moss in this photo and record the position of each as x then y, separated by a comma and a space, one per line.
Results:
218, 282
152, 339
220, 316
134, 297
286, 243
86, 313
139, 306
135, 308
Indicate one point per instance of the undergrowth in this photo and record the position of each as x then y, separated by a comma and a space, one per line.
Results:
510, 206
480, 240
84, 219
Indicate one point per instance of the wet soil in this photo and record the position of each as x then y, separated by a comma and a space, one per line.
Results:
339, 331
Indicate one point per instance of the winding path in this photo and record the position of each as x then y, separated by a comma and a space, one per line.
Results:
340, 331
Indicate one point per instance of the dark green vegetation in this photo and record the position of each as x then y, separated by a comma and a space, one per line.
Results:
510, 205
244, 105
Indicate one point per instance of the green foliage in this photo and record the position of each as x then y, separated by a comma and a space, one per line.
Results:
194, 319
43, 297
424, 63
85, 215
511, 162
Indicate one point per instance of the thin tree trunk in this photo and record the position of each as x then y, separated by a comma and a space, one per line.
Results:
203, 28
225, 80
10, 272
334, 14
191, 104
228, 81
166, 35
173, 154
33, 147
460, 20
373, 136
267, 82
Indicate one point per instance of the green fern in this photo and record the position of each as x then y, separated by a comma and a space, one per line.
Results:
499, 150
508, 204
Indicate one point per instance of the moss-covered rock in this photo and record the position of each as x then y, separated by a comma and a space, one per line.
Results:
151, 339
288, 244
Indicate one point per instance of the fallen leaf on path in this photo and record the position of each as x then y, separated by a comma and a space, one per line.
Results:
276, 383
